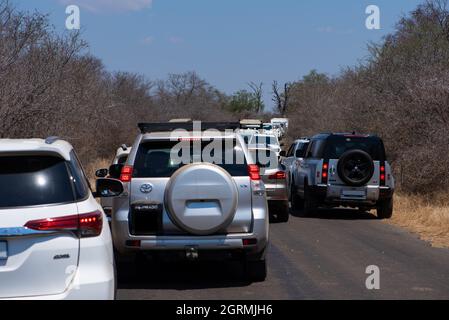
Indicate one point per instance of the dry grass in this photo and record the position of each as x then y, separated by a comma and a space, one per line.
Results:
429, 218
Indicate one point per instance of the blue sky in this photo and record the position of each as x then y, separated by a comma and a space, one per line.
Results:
228, 42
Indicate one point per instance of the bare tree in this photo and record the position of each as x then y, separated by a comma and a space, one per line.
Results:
257, 90
281, 99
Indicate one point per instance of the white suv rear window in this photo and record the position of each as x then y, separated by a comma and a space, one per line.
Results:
34, 180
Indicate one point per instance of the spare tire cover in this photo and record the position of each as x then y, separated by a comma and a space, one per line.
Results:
201, 198
355, 167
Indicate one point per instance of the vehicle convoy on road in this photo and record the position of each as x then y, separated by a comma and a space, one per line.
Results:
195, 194
55, 242
274, 177
343, 169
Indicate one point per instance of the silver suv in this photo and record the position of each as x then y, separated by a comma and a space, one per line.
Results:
195, 193
343, 170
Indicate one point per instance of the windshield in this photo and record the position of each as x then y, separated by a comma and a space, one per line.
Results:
34, 180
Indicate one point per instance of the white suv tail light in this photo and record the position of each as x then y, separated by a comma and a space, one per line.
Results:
85, 225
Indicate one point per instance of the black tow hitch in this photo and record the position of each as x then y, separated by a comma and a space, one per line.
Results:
192, 253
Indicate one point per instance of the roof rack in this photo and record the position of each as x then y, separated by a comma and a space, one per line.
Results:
188, 126
52, 139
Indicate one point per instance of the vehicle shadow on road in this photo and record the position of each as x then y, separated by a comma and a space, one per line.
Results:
336, 214
179, 275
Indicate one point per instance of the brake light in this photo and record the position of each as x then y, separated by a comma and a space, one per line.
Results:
324, 172
85, 225
254, 172
126, 174
280, 175
382, 175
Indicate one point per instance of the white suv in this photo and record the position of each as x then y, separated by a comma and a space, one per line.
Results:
55, 242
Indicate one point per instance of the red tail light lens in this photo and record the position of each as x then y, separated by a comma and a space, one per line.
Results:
126, 174
254, 172
86, 225
324, 172
280, 175
382, 175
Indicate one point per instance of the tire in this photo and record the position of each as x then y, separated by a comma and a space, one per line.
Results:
309, 201
256, 271
295, 200
280, 209
385, 209
355, 168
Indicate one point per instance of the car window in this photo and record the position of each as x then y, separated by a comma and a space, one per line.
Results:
34, 180
315, 149
338, 145
301, 150
290, 150
80, 181
265, 158
160, 159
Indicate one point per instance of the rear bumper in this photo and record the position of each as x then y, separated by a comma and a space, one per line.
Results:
126, 243
332, 195
102, 288
276, 192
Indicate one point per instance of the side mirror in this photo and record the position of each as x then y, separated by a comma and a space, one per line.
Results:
101, 173
282, 154
108, 188
115, 170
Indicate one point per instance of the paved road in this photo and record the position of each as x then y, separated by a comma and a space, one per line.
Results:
323, 257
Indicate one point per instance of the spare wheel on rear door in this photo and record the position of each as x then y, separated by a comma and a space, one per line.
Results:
355, 167
201, 198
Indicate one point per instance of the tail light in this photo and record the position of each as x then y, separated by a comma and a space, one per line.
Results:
254, 172
280, 175
382, 174
324, 172
126, 174
85, 225
257, 185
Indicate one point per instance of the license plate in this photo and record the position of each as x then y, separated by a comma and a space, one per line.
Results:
358, 194
3, 250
